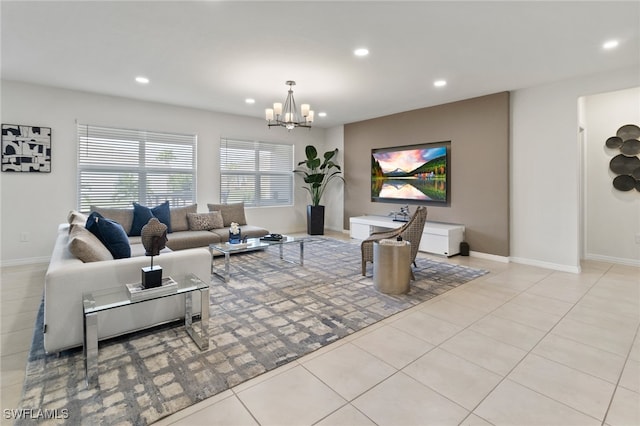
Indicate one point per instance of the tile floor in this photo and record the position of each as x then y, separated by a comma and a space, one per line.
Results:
519, 346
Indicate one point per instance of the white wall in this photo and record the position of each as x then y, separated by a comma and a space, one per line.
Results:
333, 199
612, 217
37, 203
545, 168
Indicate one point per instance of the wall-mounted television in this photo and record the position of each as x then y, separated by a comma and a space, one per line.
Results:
412, 174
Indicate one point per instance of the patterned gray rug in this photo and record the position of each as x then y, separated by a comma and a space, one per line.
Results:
270, 313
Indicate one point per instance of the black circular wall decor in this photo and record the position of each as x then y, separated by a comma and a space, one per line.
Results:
624, 183
630, 147
626, 165
628, 131
614, 142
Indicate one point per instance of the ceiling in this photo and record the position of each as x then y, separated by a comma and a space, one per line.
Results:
215, 54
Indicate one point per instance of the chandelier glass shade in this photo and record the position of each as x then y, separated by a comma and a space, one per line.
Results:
286, 115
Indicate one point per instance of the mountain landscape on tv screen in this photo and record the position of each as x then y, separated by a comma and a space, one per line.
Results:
409, 175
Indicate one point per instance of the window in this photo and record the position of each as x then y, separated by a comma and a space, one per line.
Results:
117, 167
257, 173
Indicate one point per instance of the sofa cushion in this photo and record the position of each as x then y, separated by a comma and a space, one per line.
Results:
86, 246
233, 212
138, 250
190, 239
204, 221
179, 221
76, 218
123, 216
142, 214
111, 234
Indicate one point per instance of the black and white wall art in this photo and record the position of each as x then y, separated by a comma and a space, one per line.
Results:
26, 148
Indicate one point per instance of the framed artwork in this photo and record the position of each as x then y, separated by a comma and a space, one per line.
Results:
26, 148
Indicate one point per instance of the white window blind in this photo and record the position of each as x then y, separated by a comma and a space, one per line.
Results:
257, 173
118, 166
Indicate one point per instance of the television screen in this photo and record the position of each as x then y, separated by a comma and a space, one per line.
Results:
411, 174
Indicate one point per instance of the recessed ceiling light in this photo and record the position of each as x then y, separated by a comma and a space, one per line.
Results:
322, 114
142, 80
250, 101
611, 44
361, 52
440, 83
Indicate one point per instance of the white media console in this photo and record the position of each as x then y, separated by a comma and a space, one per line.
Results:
438, 238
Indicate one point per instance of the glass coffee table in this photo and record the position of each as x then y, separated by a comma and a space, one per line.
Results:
252, 244
102, 300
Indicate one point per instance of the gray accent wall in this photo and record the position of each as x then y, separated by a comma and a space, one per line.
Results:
478, 129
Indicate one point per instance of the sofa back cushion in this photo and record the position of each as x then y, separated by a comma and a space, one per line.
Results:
86, 246
123, 216
233, 212
179, 221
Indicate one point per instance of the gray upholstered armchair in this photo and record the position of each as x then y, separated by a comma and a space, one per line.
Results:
410, 231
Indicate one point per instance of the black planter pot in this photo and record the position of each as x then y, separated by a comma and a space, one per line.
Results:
315, 220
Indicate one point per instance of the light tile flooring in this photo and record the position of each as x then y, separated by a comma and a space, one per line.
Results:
519, 346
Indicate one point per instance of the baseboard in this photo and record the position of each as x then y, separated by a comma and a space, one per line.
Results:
22, 262
494, 257
546, 265
616, 260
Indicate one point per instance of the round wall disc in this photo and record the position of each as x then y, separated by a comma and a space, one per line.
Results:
623, 165
614, 142
630, 147
628, 131
624, 183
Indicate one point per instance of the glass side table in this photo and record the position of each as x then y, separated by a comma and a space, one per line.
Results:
102, 300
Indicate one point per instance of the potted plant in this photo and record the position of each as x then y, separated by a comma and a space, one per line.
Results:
317, 174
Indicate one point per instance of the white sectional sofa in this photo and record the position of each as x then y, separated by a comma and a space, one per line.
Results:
68, 277
81, 263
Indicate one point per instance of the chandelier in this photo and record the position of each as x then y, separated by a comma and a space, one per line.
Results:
288, 116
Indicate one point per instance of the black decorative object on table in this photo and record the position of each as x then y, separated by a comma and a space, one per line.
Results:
402, 216
154, 239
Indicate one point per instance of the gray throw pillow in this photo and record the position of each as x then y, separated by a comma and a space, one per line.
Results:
86, 246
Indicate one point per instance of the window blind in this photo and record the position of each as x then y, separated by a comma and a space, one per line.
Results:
256, 173
119, 166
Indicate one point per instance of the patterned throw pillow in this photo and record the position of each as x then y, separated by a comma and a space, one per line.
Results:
204, 221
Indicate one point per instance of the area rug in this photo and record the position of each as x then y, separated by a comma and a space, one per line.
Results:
270, 313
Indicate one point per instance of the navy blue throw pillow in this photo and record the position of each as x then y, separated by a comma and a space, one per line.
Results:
142, 214
111, 234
